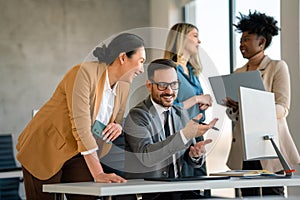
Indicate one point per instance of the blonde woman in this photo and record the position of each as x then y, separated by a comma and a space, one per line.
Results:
182, 47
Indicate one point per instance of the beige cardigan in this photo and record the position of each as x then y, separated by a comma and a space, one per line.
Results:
276, 79
62, 127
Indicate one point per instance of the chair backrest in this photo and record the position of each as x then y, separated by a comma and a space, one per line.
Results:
9, 187
7, 158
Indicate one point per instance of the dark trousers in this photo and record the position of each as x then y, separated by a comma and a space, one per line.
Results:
74, 170
255, 165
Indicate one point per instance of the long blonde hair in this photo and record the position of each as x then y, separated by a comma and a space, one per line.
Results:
175, 44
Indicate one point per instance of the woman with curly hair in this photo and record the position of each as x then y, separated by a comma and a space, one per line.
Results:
257, 31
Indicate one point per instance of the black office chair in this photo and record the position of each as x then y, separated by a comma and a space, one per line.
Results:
9, 187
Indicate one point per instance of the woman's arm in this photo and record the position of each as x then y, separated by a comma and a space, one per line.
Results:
96, 170
281, 89
80, 116
204, 101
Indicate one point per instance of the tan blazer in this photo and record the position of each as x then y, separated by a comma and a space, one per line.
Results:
276, 79
62, 127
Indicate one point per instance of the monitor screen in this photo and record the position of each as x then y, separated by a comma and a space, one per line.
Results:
258, 119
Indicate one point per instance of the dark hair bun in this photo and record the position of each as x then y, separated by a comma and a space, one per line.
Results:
100, 53
125, 42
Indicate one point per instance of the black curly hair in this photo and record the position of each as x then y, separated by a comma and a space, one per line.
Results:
258, 23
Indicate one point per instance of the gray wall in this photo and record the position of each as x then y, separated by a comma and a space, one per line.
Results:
291, 54
290, 33
41, 39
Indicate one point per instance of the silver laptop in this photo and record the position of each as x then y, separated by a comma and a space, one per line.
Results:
229, 85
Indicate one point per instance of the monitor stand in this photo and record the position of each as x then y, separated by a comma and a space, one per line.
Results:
286, 168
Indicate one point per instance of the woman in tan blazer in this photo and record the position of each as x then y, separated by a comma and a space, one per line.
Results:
57, 145
257, 32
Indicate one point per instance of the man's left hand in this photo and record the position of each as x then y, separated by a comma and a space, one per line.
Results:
199, 148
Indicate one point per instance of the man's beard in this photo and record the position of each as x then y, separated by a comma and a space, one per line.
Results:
163, 103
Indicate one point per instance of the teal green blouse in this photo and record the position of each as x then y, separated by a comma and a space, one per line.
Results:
189, 86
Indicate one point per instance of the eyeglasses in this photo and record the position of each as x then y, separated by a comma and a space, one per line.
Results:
163, 85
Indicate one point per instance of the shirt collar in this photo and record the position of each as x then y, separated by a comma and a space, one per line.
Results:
159, 108
180, 68
107, 85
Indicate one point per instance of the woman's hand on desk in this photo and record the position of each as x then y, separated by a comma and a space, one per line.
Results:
96, 170
109, 178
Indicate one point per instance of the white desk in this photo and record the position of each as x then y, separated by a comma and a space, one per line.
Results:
11, 174
141, 186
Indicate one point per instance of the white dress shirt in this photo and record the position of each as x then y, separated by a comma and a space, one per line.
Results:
106, 107
160, 110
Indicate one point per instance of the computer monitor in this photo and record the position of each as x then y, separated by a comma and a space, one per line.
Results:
258, 119
259, 127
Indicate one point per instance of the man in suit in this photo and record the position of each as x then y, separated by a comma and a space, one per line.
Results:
155, 141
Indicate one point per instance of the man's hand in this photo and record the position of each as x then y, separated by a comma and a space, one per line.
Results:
199, 148
194, 129
109, 178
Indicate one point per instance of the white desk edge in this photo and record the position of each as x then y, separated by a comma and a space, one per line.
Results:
137, 186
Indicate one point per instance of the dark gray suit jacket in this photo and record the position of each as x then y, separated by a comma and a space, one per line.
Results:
148, 152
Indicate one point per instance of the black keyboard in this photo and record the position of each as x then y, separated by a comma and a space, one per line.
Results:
191, 178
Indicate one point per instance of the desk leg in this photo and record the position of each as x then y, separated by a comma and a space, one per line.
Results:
238, 193
59, 196
106, 198
260, 192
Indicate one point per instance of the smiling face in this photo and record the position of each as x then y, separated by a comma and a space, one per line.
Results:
192, 42
250, 44
166, 97
134, 65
